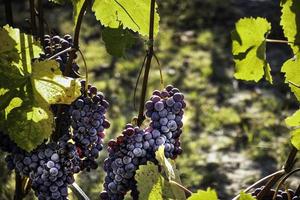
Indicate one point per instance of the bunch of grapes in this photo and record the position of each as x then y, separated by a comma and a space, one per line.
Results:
56, 44
281, 195
125, 155
137, 146
50, 167
58, 162
88, 122
165, 109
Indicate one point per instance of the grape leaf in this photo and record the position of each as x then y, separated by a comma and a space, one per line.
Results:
290, 22
163, 161
117, 40
25, 46
27, 88
293, 120
77, 5
249, 49
149, 182
48, 82
172, 174
134, 15
295, 138
292, 71
245, 196
30, 124
204, 195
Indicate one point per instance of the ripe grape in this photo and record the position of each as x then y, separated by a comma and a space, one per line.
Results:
165, 109
281, 194
88, 122
137, 146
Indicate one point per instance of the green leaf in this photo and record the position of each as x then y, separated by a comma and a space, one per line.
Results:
25, 46
249, 49
245, 196
48, 82
292, 71
77, 5
204, 195
293, 120
295, 138
149, 182
172, 174
27, 89
163, 161
30, 124
134, 15
117, 40
290, 20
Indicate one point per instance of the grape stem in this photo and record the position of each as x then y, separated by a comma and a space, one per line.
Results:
61, 52
150, 53
283, 180
278, 41
288, 166
18, 188
32, 18
8, 12
76, 37
79, 192
280, 172
41, 22
187, 191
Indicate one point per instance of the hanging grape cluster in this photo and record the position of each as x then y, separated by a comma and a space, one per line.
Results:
55, 45
136, 146
80, 130
288, 194
88, 122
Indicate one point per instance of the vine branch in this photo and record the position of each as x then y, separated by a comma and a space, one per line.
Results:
278, 41
32, 18
288, 166
79, 192
150, 53
76, 38
18, 187
187, 191
8, 12
41, 21
280, 172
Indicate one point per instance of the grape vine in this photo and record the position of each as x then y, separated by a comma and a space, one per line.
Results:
53, 122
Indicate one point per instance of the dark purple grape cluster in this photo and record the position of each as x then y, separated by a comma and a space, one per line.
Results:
58, 162
281, 194
125, 155
165, 109
88, 123
50, 167
56, 44
136, 146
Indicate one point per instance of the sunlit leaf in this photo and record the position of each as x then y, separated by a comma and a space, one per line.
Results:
149, 182
293, 120
134, 15
295, 138
204, 195
249, 49
292, 71
290, 22
48, 82
30, 124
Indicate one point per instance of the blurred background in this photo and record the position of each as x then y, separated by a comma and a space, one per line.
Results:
234, 131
